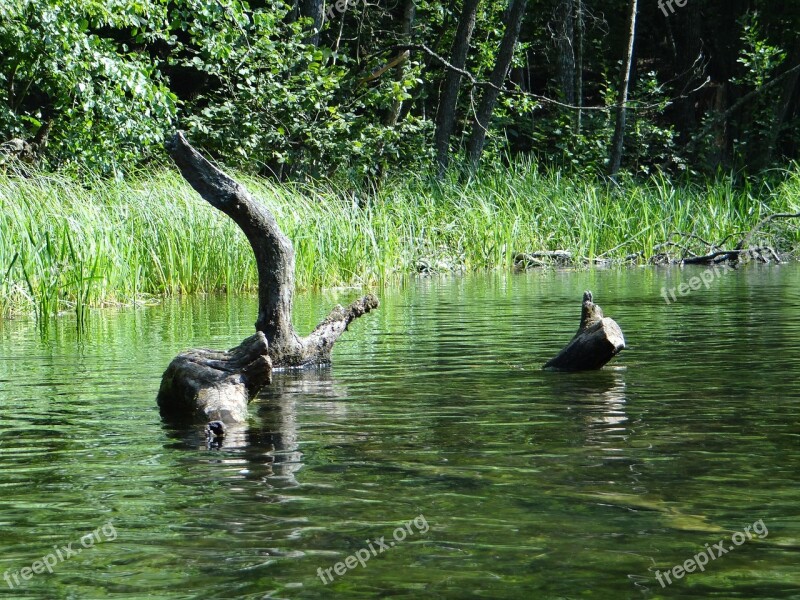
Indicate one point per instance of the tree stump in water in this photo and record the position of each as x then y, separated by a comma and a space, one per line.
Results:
219, 385
216, 384
598, 340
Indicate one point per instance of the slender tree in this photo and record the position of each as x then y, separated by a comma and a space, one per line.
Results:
483, 115
580, 31
565, 42
782, 110
315, 10
618, 141
407, 20
446, 114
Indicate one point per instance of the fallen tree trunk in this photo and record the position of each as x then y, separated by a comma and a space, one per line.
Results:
222, 384
598, 340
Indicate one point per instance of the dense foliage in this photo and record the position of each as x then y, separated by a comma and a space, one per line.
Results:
98, 84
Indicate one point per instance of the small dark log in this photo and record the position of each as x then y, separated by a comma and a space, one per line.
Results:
542, 258
216, 385
219, 385
713, 254
598, 340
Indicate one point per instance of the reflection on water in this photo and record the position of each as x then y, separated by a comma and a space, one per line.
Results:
534, 484
600, 400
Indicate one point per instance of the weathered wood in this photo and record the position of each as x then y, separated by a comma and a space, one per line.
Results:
275, 262
219, 385
542, 258
216, 385
598, 340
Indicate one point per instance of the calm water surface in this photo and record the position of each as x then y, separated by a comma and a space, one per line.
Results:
525, 484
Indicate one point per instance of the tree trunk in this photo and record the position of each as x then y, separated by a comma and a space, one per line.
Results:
409, 13
275, 262
782, 110
505, 55
599, 339
446, 115
688, 66
314, 10
619, 129
580, 29
565, 41
293, 12
215, 385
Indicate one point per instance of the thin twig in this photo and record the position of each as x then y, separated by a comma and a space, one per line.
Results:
692, 236
696, 138
763, 222
544, 99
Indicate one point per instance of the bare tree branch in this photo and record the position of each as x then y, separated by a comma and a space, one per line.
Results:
544, 99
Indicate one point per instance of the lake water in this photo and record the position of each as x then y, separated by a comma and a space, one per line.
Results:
523, 483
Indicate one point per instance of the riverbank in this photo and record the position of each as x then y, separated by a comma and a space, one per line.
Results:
67, 246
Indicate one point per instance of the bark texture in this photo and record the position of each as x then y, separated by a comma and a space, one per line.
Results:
781, 112
446, 115
618, 142
407, 20
565, 43
314, 10
598, 340
275, 262
505, 55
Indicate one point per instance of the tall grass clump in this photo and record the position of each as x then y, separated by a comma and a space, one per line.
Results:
66, 247
69, 246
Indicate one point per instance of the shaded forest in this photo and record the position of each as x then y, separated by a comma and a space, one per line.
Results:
361, 89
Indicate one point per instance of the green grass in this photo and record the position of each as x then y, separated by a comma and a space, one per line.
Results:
68, 247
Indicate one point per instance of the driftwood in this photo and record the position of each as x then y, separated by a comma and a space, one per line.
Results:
694, 250
745, 249
217, 385
598, 340
542, 258
223, 383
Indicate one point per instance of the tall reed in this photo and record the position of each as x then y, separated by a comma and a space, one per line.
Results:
67, 246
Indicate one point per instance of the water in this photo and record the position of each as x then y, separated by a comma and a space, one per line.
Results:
524, 483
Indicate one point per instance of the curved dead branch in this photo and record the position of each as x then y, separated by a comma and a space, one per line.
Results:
275, 261
219, 385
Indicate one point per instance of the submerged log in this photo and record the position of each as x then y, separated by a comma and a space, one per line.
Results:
223, 383
216, 385
598, 340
